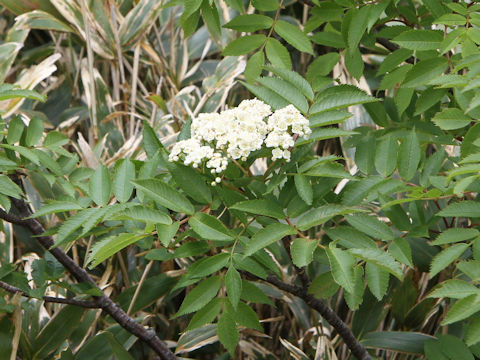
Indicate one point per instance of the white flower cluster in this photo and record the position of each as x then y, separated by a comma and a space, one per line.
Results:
235, 133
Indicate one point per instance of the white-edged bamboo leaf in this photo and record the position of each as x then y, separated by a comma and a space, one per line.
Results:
165, 195
302, 251
122, 180
267, 236
380, 258
137, 21
264, 207
342, 263
233, 283
371, 226
209, 227
454, 235
39, 19
377, 280
294, 36
109, 246
100, 186
243, 45
446, 257
199, 296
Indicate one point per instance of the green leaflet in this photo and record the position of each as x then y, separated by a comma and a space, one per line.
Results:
302, 251
419, 39
340, 96
377, 280
227, 332
341, 264
386, 155
243, 45
304, 188
409, 155
463, 309
467, 208
454, 289
206, 315
109, 246
122, 180
264, 207
268, 235
277, 54
380, 258
294, 36
209, 227
455, 235
233, 282
446, 257
249, 23
451, 119
371, 226
165, 195
9, 188
100, 186
200, 296
321, 215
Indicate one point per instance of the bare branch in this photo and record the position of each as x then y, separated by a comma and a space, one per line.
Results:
81, 275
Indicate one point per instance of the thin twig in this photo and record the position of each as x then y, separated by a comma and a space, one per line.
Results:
82, 303
357, 349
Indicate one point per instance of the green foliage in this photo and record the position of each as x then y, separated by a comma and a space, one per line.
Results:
386, 184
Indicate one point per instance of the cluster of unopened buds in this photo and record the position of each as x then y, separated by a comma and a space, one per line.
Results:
235, 133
